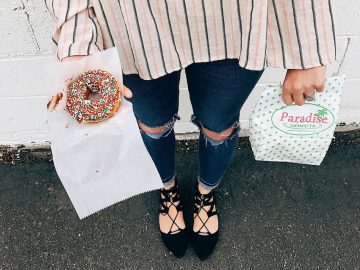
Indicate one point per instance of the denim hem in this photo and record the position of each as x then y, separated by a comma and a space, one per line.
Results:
206, 185
170, 180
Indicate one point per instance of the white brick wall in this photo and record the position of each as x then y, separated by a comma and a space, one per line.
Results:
25, 30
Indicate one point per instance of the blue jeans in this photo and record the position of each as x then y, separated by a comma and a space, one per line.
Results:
217, 90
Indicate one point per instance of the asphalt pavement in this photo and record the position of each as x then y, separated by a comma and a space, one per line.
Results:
272, 216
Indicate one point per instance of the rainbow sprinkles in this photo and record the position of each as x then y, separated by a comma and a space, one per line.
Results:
96, 81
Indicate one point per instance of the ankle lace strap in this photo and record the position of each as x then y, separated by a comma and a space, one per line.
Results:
202, 200
171, 196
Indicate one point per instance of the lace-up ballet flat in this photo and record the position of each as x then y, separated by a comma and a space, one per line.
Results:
203, 240
175, 240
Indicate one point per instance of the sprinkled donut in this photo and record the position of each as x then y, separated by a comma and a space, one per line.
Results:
99, 82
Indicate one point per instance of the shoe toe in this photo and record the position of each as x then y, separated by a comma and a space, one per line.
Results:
176, 243
204, 244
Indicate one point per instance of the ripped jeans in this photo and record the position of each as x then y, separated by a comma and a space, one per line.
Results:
217, 91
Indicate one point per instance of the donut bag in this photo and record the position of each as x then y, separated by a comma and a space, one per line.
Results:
99, 164
297, 134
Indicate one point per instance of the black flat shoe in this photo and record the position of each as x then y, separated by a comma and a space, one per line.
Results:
204, 242
176, 241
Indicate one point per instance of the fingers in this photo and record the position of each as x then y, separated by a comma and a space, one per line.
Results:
299, 83
286, 93
294, 94
126, 91
320, 86
298, 94
309, 91
287, 98
299, 98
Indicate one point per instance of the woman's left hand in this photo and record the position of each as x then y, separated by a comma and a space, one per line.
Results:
300, 82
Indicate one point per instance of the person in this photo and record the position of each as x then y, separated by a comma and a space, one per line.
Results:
224, 48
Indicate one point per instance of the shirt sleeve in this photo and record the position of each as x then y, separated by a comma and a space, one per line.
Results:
77, 31
300, 34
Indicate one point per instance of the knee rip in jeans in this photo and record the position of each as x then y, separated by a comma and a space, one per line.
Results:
167, 128
213, 142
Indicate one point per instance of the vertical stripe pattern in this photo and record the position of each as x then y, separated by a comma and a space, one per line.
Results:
249, 34
223, 28
157, 37
279, 31
206, 28
316, 30
297, 33
332, 25
188, 31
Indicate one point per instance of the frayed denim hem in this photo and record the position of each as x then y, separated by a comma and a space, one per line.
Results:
168, 127
213, 142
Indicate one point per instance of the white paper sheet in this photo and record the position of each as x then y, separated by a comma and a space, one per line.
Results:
98, 164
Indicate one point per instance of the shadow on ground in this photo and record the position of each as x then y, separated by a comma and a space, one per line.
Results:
273, 216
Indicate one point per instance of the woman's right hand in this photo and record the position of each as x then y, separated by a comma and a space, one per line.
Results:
126, 91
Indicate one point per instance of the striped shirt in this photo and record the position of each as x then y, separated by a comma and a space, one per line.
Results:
157, 37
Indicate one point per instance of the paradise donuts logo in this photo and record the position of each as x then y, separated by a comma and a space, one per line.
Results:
308, 119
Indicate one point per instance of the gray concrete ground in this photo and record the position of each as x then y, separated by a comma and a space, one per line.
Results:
272, 215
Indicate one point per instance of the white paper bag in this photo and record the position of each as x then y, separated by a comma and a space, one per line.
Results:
299, 134
98, 164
